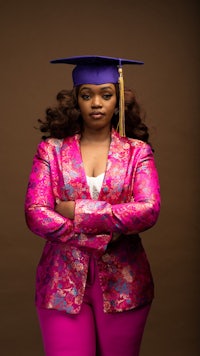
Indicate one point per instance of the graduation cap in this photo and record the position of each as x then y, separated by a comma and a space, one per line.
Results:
100, 70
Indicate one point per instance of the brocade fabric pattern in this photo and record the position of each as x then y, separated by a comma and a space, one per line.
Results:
128, 203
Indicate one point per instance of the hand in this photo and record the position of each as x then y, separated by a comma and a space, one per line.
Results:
65, 208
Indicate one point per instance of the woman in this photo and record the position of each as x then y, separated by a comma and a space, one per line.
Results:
91, 191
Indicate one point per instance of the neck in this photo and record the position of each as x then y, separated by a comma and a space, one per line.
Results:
101, 136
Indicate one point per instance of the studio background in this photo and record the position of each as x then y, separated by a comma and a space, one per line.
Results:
163, 34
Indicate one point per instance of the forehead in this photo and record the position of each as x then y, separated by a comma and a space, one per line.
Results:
96, 88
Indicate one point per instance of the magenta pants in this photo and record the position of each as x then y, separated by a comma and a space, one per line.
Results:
92, 332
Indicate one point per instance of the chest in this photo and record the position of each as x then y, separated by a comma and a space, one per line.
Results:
94, 159
71, 164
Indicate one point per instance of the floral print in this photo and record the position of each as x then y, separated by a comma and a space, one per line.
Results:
128, 203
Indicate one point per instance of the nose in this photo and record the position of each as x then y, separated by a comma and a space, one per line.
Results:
96, 102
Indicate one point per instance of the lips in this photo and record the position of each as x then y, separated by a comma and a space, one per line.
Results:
96, 114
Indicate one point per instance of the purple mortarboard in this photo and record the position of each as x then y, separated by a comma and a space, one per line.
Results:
95, 69
100, 70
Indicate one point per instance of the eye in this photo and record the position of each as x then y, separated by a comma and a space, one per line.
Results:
85, 96
107, 96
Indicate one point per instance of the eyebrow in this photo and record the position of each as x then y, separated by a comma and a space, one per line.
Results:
103, 88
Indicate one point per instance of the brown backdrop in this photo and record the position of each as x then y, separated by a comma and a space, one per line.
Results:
163, 34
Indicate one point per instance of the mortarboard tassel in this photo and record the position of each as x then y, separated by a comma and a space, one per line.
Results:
121, 124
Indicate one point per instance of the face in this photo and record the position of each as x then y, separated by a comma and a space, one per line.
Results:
97, 104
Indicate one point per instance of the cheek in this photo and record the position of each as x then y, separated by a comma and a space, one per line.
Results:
82, 106
115, 102
113, 106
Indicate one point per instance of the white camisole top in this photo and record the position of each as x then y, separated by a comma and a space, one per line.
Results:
95, 184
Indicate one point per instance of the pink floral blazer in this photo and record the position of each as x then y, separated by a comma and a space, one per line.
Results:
128, 203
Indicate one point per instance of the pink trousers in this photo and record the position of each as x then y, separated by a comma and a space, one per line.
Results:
92, 332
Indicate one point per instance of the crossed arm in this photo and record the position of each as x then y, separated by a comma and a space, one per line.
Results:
51, 218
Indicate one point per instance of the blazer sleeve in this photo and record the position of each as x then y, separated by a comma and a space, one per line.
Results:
40, 215
132, 217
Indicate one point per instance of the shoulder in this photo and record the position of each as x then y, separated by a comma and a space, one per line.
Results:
127, 141
130, 144
54, 146
140, 145
56, 143
50, 143
136, 145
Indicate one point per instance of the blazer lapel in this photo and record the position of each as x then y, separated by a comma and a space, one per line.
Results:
75, 184
117, 165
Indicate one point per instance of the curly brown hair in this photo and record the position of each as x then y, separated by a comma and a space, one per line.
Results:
65, 119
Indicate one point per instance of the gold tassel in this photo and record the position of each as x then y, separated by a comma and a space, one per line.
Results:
121, 124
